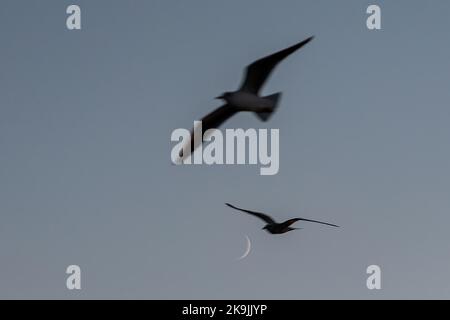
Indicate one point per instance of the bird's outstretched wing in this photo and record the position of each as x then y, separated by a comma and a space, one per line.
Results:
258, 72
260, 215
291, 221
212, 120
217, 117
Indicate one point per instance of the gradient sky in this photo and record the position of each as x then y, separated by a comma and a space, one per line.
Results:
85, 170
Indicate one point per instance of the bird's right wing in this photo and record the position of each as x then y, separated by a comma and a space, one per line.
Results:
217, 117
260, 215
211, 121
258, 72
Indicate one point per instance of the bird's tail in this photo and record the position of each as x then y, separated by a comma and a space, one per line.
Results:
274, 99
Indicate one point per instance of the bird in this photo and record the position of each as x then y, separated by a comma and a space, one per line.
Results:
277, 228
247, 97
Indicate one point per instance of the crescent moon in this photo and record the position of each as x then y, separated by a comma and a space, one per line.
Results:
247, 250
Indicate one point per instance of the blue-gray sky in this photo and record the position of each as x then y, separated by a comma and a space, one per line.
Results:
85, 170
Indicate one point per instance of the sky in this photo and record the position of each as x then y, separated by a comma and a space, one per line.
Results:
86, 177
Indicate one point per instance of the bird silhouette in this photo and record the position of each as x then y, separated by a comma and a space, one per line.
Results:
247, 97
277, 228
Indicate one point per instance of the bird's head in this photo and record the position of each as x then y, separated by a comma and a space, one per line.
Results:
223, 96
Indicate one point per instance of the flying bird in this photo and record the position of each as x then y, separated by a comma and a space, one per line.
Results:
247, 97
277, 228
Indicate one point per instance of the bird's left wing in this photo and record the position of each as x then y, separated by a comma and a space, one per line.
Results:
258, 72
291, 221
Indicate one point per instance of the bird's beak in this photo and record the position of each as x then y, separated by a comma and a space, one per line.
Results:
219, 97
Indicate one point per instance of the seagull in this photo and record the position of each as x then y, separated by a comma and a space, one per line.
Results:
277, 228
247, 97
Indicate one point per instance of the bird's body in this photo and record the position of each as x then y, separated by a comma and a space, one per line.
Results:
277, 228
247, 101
247, 98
